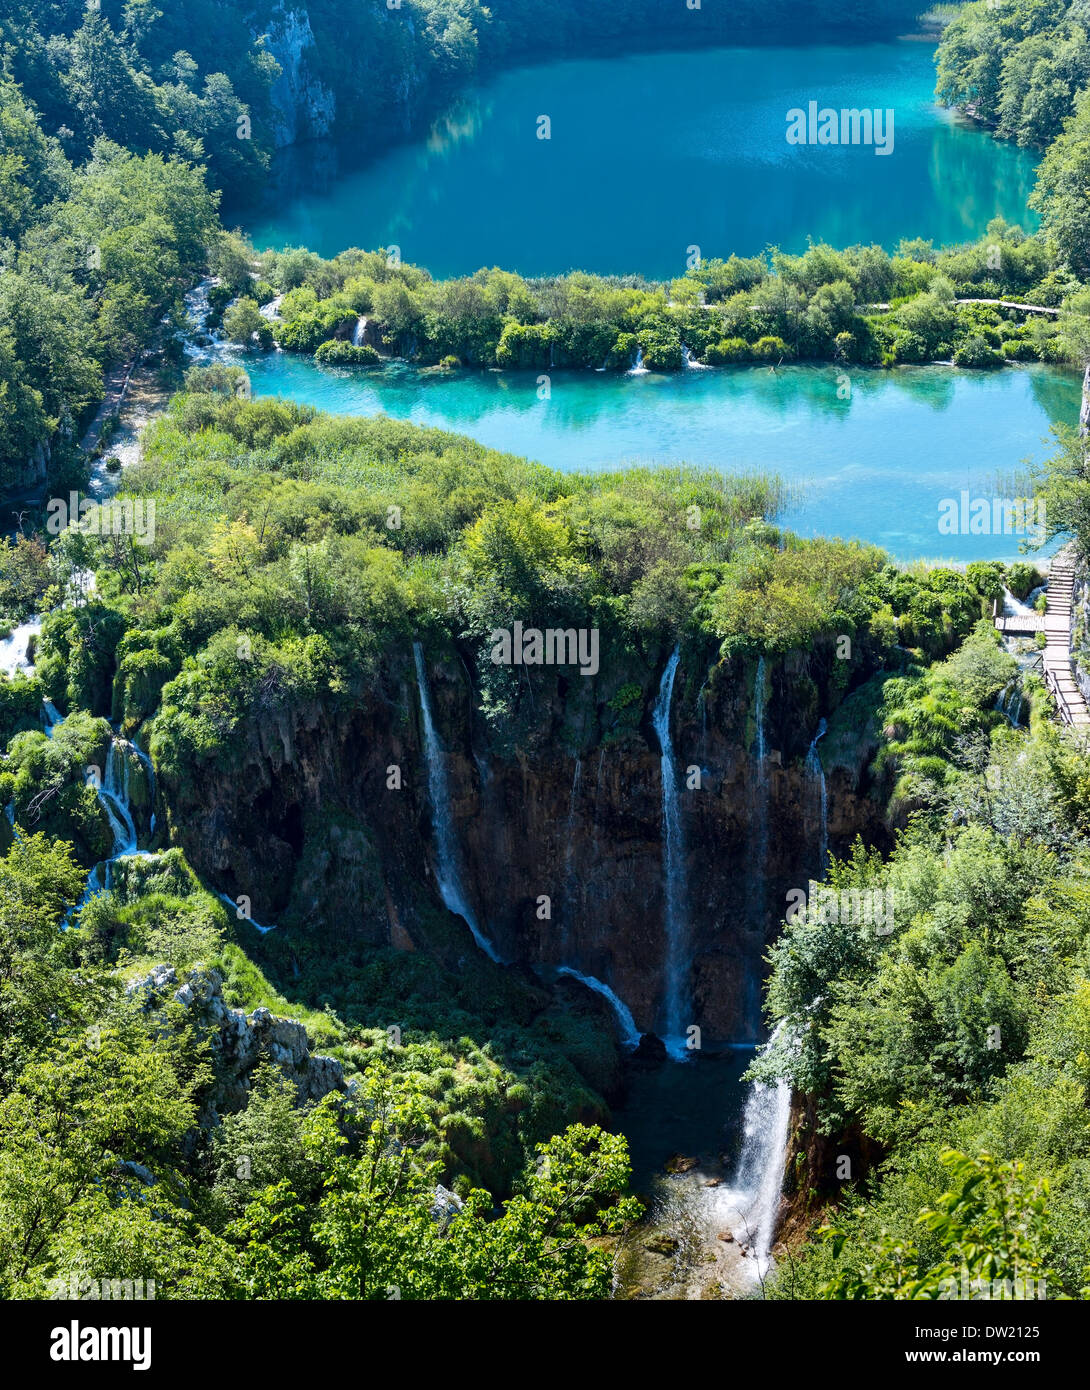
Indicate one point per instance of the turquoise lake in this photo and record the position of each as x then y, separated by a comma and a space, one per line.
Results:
874, 467
650, 155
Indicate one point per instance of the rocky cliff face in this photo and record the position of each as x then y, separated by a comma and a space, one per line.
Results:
327, 826
303, 107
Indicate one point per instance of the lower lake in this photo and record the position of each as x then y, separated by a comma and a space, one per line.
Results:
874, 466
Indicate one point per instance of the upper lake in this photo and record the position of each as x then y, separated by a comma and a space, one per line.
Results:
653, 154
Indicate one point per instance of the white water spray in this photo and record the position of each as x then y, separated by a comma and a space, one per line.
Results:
815, 769
676, 964
14, 648
759, 1180
447, 874
630, 1034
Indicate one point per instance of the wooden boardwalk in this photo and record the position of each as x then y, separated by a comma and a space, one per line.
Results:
1059, 677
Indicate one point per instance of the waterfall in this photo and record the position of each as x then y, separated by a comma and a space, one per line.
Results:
637, 368
233, 905
14, 648
815, 769
759, 696
630, 1034
359, 333
759, 1179
688, 362
570, 884
1009, 701
113, 796
447, 873
1015, 608
676, 965
756, 906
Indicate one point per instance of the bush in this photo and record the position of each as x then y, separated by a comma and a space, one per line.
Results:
1022, 577
767, 348
1019, 350
727, 350
909, 347
975, 352
345, 354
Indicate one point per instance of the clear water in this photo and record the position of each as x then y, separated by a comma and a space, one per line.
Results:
874, 467
653, 154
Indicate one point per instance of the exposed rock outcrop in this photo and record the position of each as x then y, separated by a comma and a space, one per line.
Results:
303, 107
241, 1042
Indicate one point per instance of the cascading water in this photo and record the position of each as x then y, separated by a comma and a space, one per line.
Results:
113, 793
755, 885
570, 882
241, 916
1009, 701
447, 873
359, 333
688, 361
676, 964
630, 1034
113, 796
815, 769
637, 368
758, 1183
14, 649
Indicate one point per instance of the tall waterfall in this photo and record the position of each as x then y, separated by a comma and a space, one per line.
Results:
447, 872
756, 907
759, 1180
815, 769
630, 1034
570, 880
359, 333
676, 965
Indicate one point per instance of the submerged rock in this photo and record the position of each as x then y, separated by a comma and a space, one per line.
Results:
651, 1049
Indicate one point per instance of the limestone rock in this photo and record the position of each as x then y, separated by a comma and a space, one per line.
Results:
241, 1043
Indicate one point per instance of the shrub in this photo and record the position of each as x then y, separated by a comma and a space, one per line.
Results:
345, 354
976, 352
767, 348
728, 350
